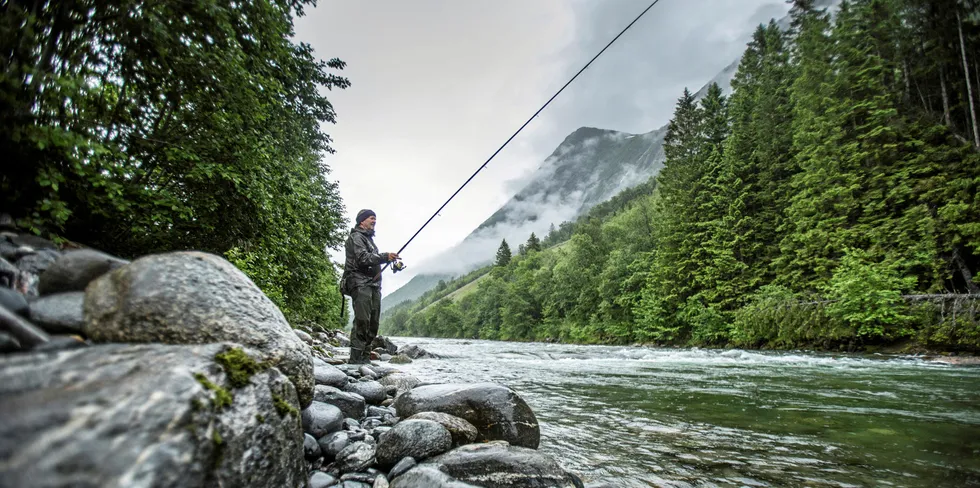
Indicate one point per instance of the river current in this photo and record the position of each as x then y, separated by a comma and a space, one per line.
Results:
638, 417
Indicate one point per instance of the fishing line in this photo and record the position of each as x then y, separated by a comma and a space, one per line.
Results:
502, 146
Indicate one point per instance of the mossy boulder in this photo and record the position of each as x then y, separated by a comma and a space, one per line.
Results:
147, 415
194, 298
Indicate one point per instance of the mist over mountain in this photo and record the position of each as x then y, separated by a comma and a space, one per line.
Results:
590, 166
587, 168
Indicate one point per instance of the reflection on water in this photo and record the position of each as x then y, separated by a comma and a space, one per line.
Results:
689, 417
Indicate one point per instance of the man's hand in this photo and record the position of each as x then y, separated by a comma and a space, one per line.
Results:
392, 256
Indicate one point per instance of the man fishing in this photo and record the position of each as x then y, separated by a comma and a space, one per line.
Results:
362, 282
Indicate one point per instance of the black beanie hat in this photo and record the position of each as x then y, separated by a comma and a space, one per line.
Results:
363, 214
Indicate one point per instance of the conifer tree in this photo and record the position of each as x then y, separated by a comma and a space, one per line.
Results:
533, 243
503, 254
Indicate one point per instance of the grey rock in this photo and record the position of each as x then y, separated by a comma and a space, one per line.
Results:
311, 449
380, 482
194, 297
380, 431
384, 343
37, 262
355, 457
400, 359
322, 480
354, 484
333, 443
367, 372
8, 250
303, 336
8, 273
30, 240
26, 333
401, 467
342, 339
601, 484
14, 301
462, 431
329, 375
429, 477
403, 382
74, 270
320, 419
496, 411
499, 465
362, 477
351, 404
351, 423
379, 412
419, 439
370, 423
60, 343
372, 391
61, 313
8, 343
135, 415
415, 352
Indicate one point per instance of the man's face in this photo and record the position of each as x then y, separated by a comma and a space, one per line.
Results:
368, 223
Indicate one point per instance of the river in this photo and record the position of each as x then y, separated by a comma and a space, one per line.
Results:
638, 417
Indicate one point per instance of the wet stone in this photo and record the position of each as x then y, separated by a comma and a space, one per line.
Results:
333, 443
320, 419
401, 467
322, 480
60, 313
311, 450
355, 457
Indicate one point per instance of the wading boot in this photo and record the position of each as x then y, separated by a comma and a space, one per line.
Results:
357, 357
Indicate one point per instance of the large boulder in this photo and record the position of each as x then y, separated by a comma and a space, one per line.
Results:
194, 298
419, 439
145, 415
499, 465
495, 410
74, 270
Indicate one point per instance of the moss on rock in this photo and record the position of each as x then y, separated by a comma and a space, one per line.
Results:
283, 407
239, 366
222, 397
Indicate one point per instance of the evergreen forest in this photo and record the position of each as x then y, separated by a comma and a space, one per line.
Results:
140, 127
829, 201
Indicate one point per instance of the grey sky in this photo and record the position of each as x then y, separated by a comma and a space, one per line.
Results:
438, 85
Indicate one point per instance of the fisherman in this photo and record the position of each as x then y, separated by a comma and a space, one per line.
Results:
362, 282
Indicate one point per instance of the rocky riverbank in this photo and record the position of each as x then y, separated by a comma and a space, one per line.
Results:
175, 370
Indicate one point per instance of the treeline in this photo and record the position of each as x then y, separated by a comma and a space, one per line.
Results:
839, 177
138, 127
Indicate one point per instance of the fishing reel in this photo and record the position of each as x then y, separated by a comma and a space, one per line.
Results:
397, 265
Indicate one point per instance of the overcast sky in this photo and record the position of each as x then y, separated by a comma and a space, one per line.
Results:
439, 85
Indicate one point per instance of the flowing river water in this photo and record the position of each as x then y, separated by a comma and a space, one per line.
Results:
637, 417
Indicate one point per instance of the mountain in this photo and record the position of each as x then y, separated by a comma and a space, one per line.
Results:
587, 168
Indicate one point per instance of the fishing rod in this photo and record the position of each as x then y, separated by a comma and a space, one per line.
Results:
400, 266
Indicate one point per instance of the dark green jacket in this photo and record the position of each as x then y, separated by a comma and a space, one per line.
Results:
363, 264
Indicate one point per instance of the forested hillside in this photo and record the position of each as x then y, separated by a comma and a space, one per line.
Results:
830, 201
138, 127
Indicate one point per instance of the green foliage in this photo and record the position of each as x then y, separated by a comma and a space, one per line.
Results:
868, 296
139, 127
798, 212
503, 254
